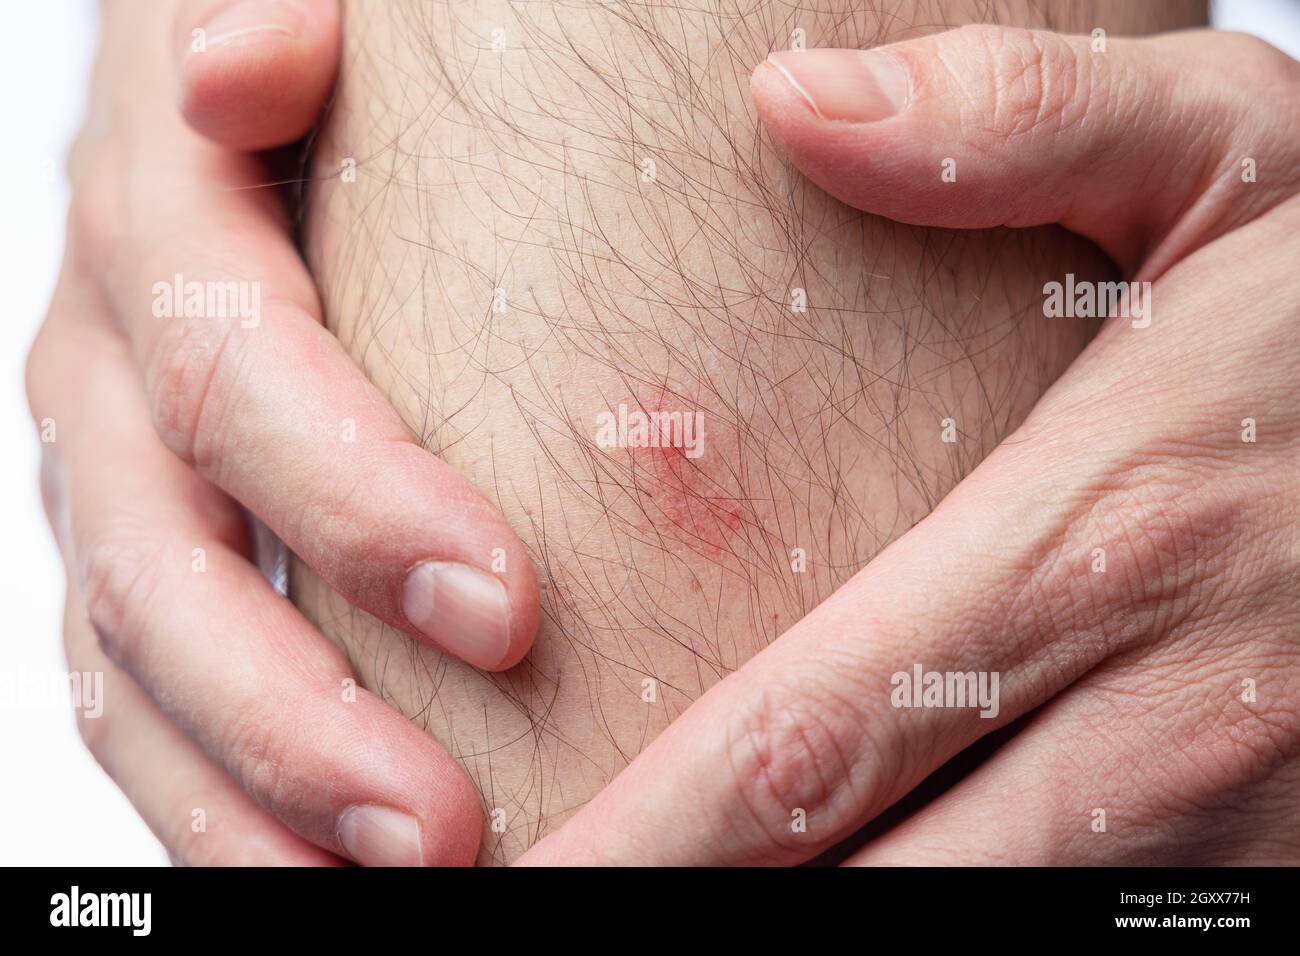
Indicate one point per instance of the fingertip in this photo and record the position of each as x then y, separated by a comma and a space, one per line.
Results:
778, 101
376, 835
525, 611
405, 801
258, 75
450, 809
822, 151
850, 140
794, 123
474, 595
451, 836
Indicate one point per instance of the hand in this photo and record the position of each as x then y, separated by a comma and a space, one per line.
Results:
1126, 562
221, 698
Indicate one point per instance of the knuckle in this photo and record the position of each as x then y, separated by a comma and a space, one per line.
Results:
255, 745
1164, 548
1037, 83
190, 373
1177, 542
118, 574
1264, 737
337, 520
797, 752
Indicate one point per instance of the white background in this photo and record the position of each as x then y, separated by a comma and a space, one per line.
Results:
56, 806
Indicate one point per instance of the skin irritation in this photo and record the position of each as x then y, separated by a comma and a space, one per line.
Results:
683, 476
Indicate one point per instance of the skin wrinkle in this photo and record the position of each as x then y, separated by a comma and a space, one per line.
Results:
521, 169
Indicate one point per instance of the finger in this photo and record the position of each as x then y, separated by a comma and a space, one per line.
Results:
246, 384
1150, 147
178, 607
829, 726
256, 73
197, 810
1164, 759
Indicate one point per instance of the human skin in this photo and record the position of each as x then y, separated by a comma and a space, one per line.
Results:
1126, 561
666, 287
155, 430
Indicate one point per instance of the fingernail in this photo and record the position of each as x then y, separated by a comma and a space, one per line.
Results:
462, 609
247, 21
851, 86
379, 836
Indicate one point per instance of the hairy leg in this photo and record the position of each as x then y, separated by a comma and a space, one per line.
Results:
534, 223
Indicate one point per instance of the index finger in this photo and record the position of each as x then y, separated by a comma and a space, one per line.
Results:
246, 384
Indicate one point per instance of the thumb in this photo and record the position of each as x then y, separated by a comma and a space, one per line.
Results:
255, 74
1149, 147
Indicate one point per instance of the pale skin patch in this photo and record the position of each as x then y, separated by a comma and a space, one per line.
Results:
507, 266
